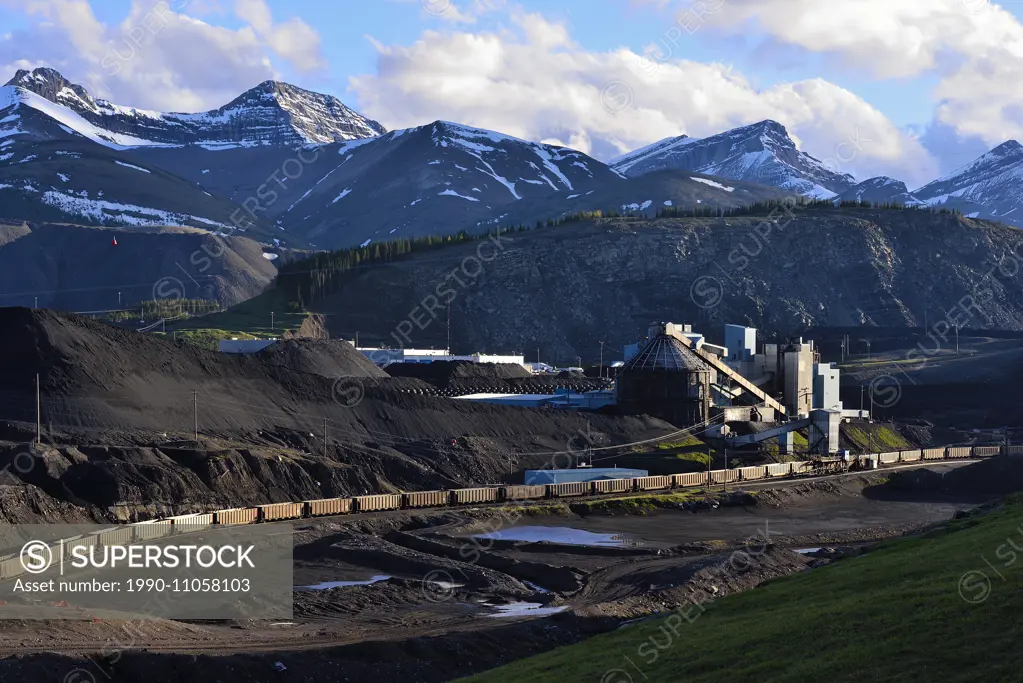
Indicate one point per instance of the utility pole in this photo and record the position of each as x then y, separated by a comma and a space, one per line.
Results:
861, 398
449, 331
195, 414
868, 349
957, 339
39, 417
356, 339
724, 483
843, 349
600, 368
324, 436
118, 299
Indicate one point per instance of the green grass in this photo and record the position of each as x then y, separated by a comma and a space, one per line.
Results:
895, 614
688, 442
250, 319
875, 437
206, 338
695, 456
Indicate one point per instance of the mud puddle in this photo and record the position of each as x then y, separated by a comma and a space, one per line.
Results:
523, 609
563, 536
342, 584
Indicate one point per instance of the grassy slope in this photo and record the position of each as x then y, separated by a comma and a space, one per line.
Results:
894, 615
248, 320
874, 437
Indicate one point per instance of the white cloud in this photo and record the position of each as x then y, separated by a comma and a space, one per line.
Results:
974, 47
157, 57
453, 11
294, 40
534, 82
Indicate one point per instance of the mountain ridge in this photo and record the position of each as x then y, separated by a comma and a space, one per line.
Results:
271, 113
761, 152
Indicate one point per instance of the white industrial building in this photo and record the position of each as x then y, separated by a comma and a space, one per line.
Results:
384, 357
825, 387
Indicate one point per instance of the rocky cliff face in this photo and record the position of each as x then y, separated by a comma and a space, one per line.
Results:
567, 289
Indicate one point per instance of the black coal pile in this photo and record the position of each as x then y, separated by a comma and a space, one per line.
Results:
325, 357
460, 378
119, 410
998, 476
441, 373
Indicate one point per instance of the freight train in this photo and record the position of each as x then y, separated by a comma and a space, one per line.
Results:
275, 512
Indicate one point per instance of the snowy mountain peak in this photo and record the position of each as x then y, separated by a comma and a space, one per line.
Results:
49, 83
316, 118
272, 113
761, 152
987, 187
766, 127
1006, 148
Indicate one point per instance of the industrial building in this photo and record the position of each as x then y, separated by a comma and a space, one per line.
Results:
562, 476
384, 357
666, 379
676, 374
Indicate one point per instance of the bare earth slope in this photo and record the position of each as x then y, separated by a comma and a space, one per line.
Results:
79, 268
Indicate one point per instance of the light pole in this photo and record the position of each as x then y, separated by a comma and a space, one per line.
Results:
957, 339
271, 320
600, 368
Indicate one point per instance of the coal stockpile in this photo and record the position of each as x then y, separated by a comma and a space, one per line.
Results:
120, 408
998, 476
460, 378
96, 375
325, 357
442, 372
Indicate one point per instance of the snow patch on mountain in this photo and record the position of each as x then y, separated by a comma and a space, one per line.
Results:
72, 121
712, 183
452, 193
107, 213
137, 168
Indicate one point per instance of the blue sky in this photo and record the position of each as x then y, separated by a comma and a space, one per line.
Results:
928, 83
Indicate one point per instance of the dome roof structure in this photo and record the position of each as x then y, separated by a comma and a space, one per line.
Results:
666, 354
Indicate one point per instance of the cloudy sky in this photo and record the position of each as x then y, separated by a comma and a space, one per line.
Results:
906, 88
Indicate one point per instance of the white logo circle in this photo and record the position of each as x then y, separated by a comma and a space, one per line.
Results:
36, 557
